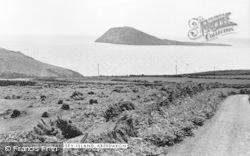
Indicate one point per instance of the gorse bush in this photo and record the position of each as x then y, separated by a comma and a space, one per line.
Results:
245, 91
65, 106
76, 95
93, 101
15, 113
59, 128
68, 131
45, 114
181, 90
60, 101
117, 108
125, 128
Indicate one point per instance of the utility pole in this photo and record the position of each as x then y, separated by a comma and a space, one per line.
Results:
176, 69
98, 70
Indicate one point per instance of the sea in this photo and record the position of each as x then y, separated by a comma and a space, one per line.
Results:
80, 53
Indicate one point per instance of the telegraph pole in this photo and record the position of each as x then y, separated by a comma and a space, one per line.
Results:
98, 70
176, 69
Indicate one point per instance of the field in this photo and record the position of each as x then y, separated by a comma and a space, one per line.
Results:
207, 79
149, 115
221, 76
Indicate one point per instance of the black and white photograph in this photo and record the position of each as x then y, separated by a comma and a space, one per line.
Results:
124, 78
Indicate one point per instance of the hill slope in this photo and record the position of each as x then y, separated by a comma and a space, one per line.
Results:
132, 36
17, 65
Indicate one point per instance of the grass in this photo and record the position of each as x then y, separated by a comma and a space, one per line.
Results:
148, 116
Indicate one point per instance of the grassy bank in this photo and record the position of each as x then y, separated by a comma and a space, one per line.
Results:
150, 129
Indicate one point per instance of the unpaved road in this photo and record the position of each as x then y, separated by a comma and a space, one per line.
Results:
227, 134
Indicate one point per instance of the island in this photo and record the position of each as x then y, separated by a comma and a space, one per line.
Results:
131, 36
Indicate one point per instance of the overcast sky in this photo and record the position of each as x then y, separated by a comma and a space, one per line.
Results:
161, 18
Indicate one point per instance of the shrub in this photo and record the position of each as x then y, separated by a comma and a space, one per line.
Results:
15, 113
124, 129
45, 115
78, 98
116, 109
60, 102
59, 128
91, 93
160, 135
43, 97
93, 101
7, 97
135, 90
65, 107
244, 91
120, 131
18, 97
77, 95
68, 131
82, 86
117, 90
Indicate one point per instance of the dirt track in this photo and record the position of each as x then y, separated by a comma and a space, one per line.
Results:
227, 134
